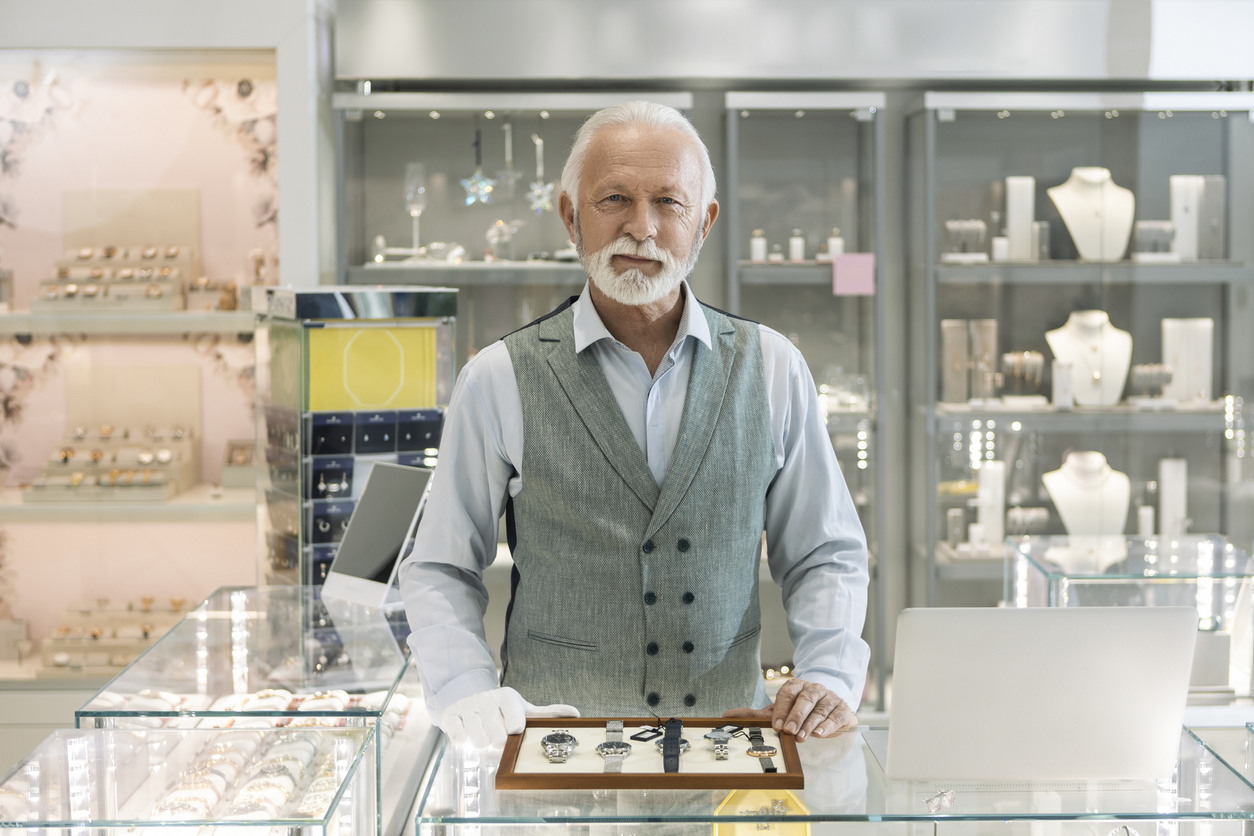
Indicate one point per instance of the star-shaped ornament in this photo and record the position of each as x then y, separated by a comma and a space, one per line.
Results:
478, 187
541, 197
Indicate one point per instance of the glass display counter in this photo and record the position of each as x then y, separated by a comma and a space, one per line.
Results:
846, 786
114, 781
1205, 572
1083, 318
244, 659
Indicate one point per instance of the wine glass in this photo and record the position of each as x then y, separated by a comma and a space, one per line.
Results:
415, 195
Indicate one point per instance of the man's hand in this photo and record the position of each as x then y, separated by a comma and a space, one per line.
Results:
487, 718
803, 709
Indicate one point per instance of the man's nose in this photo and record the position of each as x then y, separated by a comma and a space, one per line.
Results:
641, 222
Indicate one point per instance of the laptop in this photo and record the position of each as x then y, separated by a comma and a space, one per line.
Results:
1039, 694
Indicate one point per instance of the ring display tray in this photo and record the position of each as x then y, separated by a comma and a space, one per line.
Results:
524, 766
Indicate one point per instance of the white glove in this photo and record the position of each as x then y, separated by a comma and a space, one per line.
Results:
487, 718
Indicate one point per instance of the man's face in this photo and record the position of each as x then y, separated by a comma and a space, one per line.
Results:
639, 222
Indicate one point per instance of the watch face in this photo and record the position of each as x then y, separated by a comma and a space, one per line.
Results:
612, 748
558, 738
761, 751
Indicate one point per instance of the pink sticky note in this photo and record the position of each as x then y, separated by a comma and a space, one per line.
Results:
853, 274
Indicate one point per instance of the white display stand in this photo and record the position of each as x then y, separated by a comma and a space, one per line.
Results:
1092, 498
1099, 355
1098, 214
1188, 347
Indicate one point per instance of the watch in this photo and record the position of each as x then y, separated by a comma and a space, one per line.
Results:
672, 744
558, 745
722, 744
758, 749
614, 749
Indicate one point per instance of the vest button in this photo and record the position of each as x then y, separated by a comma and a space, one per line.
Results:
650, 598
683, 545
647, 548
651, 649
690, 700
653, 699
689, 597
689, 647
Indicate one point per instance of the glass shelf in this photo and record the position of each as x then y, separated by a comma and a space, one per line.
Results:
114, 781
1075, 272
261, 657
134, 323
203, 503
845, 782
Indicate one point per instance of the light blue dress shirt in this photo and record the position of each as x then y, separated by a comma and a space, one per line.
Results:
815, 544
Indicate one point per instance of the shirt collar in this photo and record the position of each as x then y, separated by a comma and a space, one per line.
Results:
590, 329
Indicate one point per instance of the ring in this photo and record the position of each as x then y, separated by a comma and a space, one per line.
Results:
164, 272
84, 253
108, 252
171, 252
66, 454
91, 289
165, 455
106, 430
95, 273
148, 252
63, 272
153, 291
126, 273
52, 293
71, 290
76, 479
145, 457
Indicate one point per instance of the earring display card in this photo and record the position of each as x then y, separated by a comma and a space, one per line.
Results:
524, 765
419, 429
331, 433
331, 478
376, 432
329, 520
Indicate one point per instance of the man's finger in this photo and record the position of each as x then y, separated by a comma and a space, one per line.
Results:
784, 700
818, 714
802, 705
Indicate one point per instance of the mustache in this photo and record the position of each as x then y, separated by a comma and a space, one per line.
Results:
626, 245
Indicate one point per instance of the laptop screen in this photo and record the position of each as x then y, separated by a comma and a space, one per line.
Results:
376, 531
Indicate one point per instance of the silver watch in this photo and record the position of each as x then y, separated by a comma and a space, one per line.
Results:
722, 744
558, 745
614, 749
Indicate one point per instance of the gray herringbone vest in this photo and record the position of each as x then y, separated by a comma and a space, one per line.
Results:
625, 592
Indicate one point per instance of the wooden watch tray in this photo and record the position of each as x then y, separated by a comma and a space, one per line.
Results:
789, 776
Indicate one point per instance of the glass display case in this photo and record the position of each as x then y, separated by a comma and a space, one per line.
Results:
802, 205
115, 781
266, 657
846, 787
1082, 317
346, 377
461, 190
1205, 572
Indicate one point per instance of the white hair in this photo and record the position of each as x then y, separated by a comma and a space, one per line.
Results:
645, 114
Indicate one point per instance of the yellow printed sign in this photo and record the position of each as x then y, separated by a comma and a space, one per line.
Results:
371, 368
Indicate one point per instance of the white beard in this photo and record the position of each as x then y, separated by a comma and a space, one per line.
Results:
633, 287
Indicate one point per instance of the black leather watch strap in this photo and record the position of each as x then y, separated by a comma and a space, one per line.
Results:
670, 745
757, 739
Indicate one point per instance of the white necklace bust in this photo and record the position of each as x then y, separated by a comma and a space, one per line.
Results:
1092, 498
1099, 354
1098, 214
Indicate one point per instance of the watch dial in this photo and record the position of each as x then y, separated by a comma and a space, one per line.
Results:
560, 738
612, 748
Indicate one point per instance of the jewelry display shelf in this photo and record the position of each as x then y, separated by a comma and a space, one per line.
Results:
137, 323
266, 657
787, 273
315, 781
203, 503
1079, 272
470, 273
846, 783
1120, 418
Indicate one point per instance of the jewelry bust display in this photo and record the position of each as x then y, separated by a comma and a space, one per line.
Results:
1092, 499
1099, 354
1098, 213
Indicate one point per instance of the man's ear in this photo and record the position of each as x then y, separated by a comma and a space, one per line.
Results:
566, 209
711, 212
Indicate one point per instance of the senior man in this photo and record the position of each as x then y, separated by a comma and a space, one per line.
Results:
638, 444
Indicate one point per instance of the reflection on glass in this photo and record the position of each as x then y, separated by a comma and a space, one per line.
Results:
415, 196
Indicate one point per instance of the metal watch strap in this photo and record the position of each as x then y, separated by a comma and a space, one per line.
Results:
670, 745
614, 734
756, 739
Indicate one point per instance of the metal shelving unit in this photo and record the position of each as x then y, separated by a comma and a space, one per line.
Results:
815, 161
139, 323
960, 146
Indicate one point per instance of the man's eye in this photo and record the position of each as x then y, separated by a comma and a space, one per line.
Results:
615, 197
670, 200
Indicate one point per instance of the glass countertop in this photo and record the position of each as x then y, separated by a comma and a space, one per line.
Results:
109, 778
845, 781
1188, 557
264, 652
